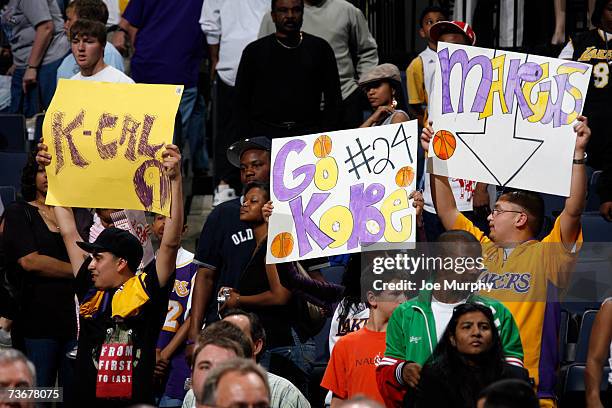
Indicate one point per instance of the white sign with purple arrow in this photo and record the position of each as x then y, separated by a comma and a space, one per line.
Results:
505, 118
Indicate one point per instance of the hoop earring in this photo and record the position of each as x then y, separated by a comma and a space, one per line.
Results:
394, 103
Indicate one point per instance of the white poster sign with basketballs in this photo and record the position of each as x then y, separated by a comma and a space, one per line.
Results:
505, 118
342, 192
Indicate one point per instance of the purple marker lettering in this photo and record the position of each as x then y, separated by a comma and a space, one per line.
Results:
144, 191
554, 110
305, 227
282, 192
130, 128
106, 150
361, 206
528, 72
460, 57
144, 148
571, 68
59, 133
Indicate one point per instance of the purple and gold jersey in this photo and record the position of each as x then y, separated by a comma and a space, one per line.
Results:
179, 370
527, 282
594, 47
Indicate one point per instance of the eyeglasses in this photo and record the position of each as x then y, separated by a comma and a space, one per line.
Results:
497, 211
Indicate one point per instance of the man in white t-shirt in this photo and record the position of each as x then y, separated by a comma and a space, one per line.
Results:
89, 10
88, 39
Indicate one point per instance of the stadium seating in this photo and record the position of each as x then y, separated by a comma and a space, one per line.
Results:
571, 377
568, 332
572, 385
591, 276
595, 228
553, 205
582, 346
11, 165
592, 196
7, 194
12, 133
39, 119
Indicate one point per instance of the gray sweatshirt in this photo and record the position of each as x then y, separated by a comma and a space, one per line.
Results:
345, 28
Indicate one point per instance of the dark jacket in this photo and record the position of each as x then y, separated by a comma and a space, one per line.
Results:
434, 388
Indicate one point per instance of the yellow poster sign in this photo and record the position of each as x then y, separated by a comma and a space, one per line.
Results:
106, 142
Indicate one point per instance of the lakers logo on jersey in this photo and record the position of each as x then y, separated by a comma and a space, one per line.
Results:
181, 288
593, 53
595, 47
350, 325
516, 282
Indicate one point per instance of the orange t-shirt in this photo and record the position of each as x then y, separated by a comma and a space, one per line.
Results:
352, 365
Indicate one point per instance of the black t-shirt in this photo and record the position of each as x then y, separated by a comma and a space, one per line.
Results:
435, 391
226, 244
8, 307
46, 307
590, 48
145, 327
275, 84
276, 320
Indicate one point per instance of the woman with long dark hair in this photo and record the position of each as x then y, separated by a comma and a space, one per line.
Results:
467, 359
45, 322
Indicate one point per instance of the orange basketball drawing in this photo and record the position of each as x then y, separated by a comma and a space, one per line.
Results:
404, 176
444, 144
322, 146
282, 245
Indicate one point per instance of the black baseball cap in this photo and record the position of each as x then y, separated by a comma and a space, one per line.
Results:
234, 152
118, 242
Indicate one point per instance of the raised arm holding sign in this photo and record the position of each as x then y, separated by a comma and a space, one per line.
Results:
524, 272
173, 227
118, 301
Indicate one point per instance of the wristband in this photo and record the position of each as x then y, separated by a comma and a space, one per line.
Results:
581, 161
33, 67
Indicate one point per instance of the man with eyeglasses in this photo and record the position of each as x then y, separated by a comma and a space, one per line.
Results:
526, 273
